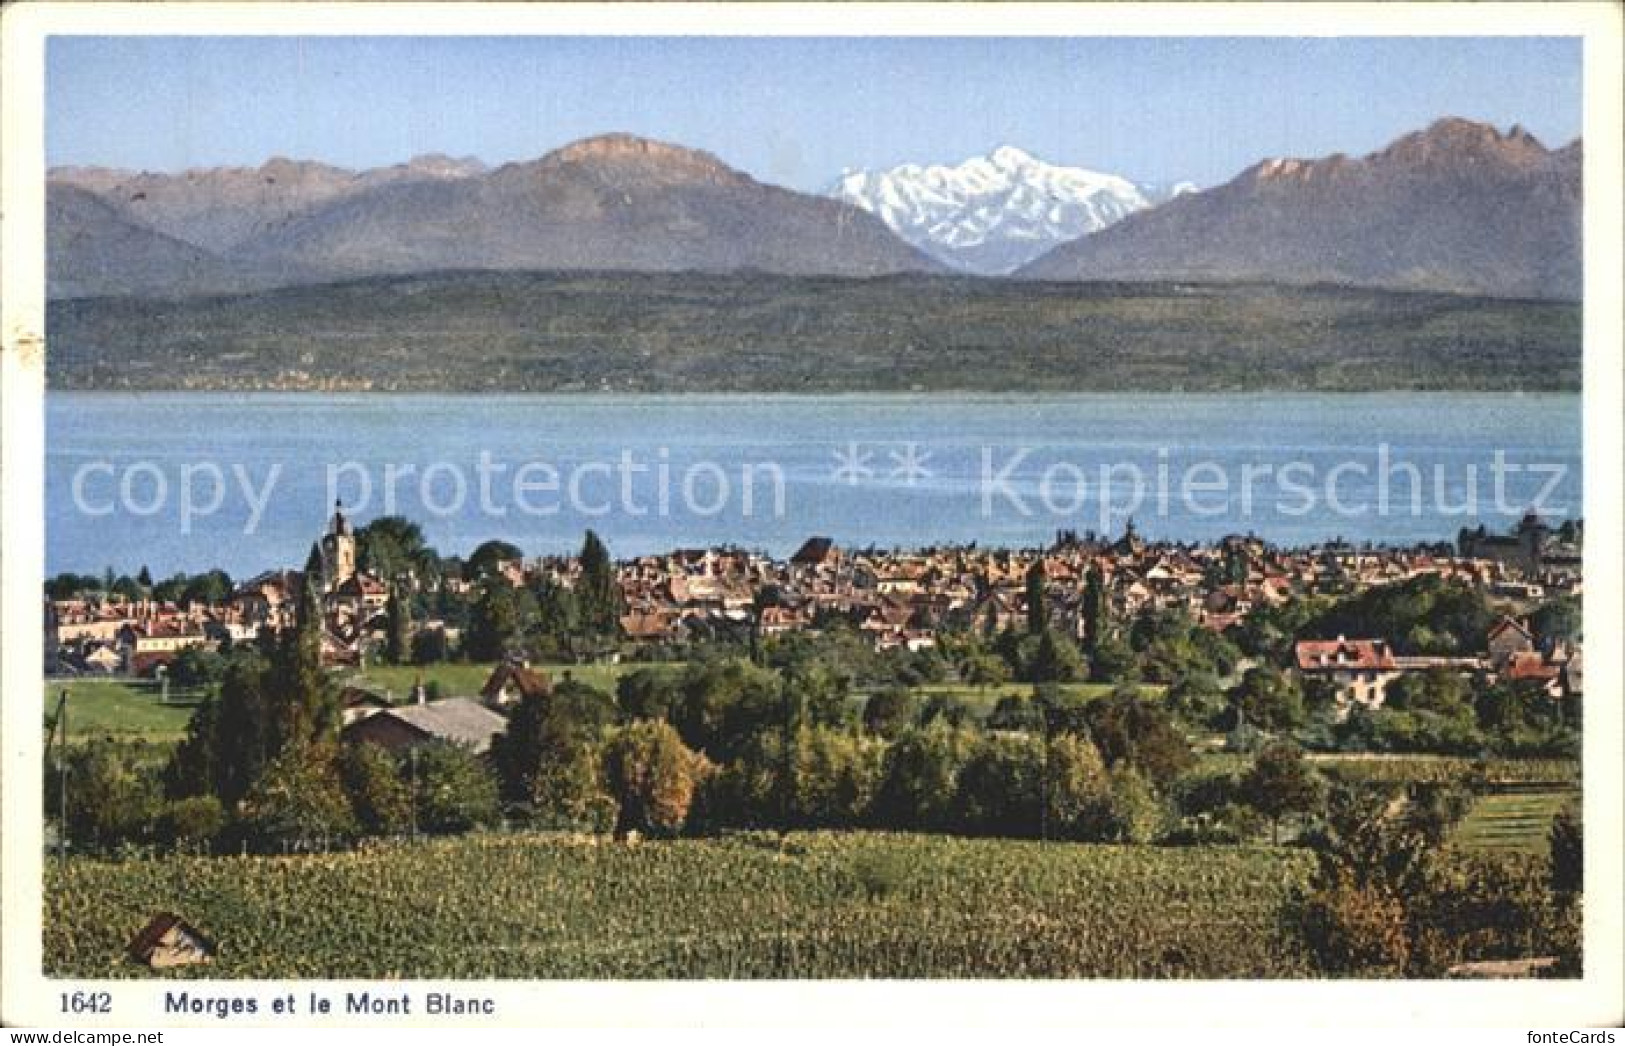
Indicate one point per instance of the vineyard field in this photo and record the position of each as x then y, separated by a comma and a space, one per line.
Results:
851, 905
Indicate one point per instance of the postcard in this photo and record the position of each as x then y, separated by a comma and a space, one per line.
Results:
792, 513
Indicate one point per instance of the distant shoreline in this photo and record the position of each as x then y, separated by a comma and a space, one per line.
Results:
666, 334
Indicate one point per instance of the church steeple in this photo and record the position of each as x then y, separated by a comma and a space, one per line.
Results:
338, 549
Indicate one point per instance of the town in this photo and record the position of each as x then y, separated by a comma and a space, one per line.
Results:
896, 601
1405, 716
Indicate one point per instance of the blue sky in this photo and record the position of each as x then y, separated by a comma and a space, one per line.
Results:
795, 112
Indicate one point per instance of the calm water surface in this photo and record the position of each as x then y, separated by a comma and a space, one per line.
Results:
653, 473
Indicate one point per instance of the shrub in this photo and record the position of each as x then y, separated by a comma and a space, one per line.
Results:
1079, 789
878, 874
1015, 712
298, 803
113, 796
888, 713
1356, 929
191, 825
653, 776
1136, 814
1001, 786
379, 797
454, 790
920, 782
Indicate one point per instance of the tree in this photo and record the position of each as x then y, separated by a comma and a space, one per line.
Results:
1135, 813
1016, 712
1268, 699
557, 618
391, 546
453, 789
1112, 661
144, 578
1056, 660
725, 704
647, 693
1129, 729
127, 588
399, 615
303, 701
1424, 615
835, 775
485, 559
1095, 610
1037, 612
380, 797
210, 588
1437, 690
1077, 789
985, 670
653, 776
1567, 846
1198, 699
889, 712
230, 738
546, 760
1558, 619
197, 666
494, 621
920, 782
112, 797
298, 802
1280, 783
598, 594
1001, 786
430, 646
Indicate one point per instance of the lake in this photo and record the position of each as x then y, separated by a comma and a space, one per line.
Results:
188, 481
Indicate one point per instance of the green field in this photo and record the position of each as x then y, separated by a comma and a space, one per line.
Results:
132, 710
120, 709
1515, 817
810, 906
982, 700
459, 679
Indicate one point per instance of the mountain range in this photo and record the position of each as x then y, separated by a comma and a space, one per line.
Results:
614, 202
992, 214
1458, 207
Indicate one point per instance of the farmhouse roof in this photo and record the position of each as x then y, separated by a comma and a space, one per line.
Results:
459, 720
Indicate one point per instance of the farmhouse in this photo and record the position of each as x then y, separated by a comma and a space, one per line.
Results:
455, 720
1361, 669
168, 940
510, 683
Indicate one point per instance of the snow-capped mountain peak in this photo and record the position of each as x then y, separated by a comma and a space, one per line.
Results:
992, 214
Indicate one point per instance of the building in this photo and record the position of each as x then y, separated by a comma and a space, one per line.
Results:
460, 721
510, 682
338, 548
1506, 639
1525, 549
1360, 669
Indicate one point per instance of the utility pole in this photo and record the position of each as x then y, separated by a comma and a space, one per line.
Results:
1043, 808
786, 757
62, 775
412, 760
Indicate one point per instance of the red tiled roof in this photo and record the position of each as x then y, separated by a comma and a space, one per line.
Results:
1530, 665
1365, 654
